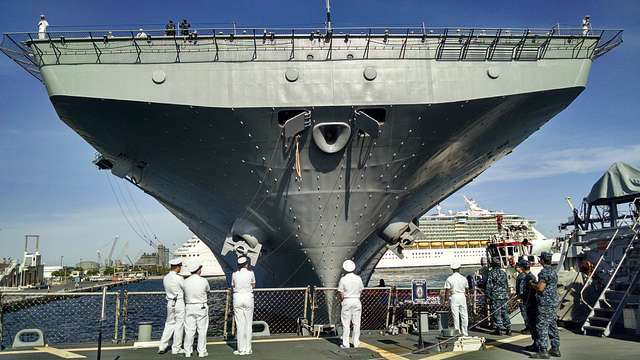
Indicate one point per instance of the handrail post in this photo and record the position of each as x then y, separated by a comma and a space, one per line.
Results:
117, 318
138, 50
175, 41
1, 323
403, 48
56, 52
313, 306
125, 310
95, 47
306, 302
215, 42
394, 304
255, 46
388, 317
225, 333
293, 45
365, 55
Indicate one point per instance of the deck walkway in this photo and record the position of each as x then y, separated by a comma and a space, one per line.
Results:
574, 346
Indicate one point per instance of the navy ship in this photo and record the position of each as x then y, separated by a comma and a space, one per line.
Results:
305, 147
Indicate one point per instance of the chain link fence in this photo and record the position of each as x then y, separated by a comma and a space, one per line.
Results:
151, 306
281, 308
63, 317
74, 317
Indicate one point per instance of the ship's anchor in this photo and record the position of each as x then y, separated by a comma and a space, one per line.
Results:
244, 239
400, 235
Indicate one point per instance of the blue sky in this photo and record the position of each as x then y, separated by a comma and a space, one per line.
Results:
48, 185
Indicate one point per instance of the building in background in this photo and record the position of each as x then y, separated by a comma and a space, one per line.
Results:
31, 271
160, 258
49, 270
88, 265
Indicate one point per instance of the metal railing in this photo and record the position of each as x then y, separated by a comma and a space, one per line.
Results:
74, 317
99, 46
66, 317
603, 256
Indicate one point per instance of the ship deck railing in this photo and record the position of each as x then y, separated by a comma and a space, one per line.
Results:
31, 50
286, 311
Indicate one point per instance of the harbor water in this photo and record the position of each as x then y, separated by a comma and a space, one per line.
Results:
76, 319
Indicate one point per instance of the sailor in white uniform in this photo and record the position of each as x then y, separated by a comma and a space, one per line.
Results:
174, 325
350, 288
43, 24
456, 286
197, 311
243, 281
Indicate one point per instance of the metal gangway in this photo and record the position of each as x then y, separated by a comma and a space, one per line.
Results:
615, 294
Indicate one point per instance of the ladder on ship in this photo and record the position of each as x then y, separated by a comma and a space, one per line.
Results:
614, 297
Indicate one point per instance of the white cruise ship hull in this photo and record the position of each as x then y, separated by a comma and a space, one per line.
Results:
423, 258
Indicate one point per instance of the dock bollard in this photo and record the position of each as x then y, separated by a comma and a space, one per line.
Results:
144, 331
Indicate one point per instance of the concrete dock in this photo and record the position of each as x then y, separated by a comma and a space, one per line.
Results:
403, 347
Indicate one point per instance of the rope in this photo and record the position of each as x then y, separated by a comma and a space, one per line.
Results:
297, 163
122, 211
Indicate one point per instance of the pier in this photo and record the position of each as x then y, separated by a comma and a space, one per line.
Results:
373, 346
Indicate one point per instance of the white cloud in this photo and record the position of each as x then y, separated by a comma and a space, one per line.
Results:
532, 165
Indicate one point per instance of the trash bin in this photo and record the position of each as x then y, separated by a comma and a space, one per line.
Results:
144, 331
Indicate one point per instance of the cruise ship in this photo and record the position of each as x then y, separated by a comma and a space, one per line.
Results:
305, 147
195, 250
461, 237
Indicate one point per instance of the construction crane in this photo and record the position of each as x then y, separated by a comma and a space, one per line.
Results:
123, 251
130, 261
113, 247
99, 257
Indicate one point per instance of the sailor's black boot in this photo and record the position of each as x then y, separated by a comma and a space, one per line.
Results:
497, 332
508, 331
531, 348
555, 352
540, 355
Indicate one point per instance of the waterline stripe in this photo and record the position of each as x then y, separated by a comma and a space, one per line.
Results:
59, 352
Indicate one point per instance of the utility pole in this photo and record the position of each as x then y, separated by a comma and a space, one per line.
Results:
64, 271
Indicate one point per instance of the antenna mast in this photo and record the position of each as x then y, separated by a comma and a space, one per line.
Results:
329, 28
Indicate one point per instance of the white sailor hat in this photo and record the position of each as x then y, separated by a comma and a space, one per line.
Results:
192, 267
455, 265
175, 262
242, 260
184, 271
348, 265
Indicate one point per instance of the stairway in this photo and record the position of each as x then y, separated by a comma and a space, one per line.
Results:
611, 302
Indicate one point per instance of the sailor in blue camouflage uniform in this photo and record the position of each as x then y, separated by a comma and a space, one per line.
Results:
526, 294
547, 299
497, 289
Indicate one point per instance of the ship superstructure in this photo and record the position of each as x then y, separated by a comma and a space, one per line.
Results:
303, 148
462, 236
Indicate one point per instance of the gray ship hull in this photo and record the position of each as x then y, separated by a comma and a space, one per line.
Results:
211, 165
